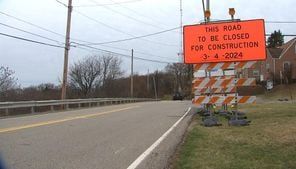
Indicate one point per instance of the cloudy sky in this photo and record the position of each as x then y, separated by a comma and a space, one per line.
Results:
99, 21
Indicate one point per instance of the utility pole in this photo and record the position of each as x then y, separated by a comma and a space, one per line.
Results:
208, 5
208, 11
148, 82
66, 52
181, 31
155, 89
132, 74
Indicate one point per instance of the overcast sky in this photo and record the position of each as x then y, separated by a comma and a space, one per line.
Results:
34, 64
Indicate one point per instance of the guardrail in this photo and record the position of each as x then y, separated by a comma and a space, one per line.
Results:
6, 106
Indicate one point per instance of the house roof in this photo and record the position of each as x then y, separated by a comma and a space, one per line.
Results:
275, 52
288, 44
280, 51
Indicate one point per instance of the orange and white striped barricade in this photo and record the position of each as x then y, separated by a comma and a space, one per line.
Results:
220, 100
205, 91
218, 83
224, 65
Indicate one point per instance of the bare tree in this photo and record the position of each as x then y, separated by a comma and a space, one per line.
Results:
179, 71
111, 68
7, 80
85, 74
94, 73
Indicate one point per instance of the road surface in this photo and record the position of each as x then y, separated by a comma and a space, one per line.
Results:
110, 137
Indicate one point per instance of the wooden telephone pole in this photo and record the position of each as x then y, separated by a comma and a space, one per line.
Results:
132, 74
66, 52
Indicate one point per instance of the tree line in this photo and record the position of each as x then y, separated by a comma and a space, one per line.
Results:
102, 76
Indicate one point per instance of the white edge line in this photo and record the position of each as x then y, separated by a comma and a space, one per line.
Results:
141, 158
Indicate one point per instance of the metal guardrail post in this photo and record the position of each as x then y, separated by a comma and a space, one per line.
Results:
52, 108
6, 112
32, 109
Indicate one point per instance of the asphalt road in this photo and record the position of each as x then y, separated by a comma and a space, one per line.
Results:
110, 137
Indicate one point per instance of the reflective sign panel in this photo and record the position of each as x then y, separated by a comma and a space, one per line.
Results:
225, 42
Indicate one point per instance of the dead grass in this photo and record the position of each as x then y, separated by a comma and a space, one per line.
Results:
280, 92
269, 142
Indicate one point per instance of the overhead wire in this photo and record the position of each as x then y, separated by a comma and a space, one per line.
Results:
31, 33
267, 21
120, 54
134, 37
52, 45
37, 26
291, 35
61, 3
125, 15
47, 30
43, 43
108, 4
32, 24
281, 22
118, 30
101, 23
129, 34
61, 35
138, 13
136, 51
50, 31
30, 40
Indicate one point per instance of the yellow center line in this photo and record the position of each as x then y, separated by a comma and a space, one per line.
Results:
4, 130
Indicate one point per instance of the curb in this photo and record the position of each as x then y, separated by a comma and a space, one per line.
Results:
160, 157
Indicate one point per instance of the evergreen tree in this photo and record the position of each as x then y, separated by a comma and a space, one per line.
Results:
276, 39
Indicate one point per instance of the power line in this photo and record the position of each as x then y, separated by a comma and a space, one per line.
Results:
119, 54
37, 26
62, 3
124, 49
268, 22
12, 27
119, 4
127, 16
118, 30
138, 14
148, 54
101, 23
281, 22
108, 4
137, 51
50, 31
283, 35
135, 37
34, 25
30, 40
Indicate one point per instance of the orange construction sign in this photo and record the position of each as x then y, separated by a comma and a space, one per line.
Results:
225, 42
